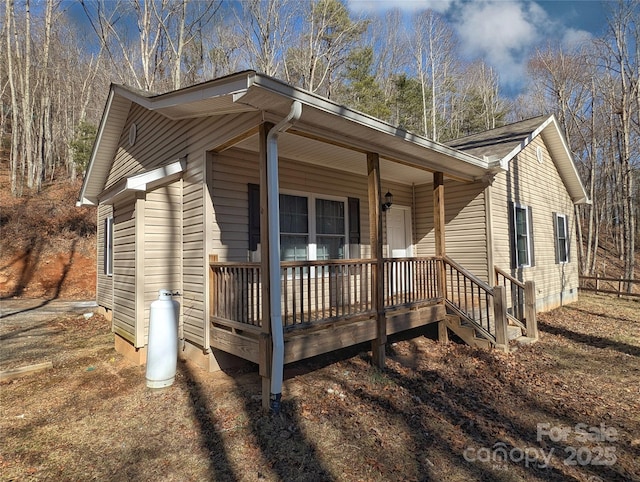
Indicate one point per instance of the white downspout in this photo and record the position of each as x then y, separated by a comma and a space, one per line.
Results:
273, 204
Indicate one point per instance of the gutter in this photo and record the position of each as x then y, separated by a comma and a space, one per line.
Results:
275, 290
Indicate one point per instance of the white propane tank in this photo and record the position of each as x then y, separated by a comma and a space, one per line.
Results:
162, 351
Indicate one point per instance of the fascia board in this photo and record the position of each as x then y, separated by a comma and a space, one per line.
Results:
232, 85
569, 167
83, 200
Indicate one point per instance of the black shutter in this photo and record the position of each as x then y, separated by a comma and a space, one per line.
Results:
568, 237
254, 216
512, 236
556, 242
532, 261
354, 220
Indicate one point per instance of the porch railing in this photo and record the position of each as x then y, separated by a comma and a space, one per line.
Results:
470, 298
521, 302
322, 291
314, 291
514, 294
408, 281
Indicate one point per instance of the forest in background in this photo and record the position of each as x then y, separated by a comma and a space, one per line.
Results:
54, 79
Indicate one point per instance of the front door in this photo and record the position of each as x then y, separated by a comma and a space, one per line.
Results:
400, 246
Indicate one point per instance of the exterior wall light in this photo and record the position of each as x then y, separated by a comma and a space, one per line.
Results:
388, 201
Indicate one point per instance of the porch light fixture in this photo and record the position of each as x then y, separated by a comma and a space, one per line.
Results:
388, 201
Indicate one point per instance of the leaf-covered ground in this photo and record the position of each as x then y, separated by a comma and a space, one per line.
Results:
566, 408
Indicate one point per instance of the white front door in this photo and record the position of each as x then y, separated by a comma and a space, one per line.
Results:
399, 232
400, 246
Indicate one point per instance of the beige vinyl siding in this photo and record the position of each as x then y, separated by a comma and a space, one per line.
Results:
465, 228
124, 269
197, 214
159, 141
539, 186
232, 170
104, 283
194, 262
162, 244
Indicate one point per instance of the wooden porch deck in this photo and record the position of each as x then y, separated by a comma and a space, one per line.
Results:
326, 305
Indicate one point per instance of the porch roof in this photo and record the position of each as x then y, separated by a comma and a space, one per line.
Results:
324, 126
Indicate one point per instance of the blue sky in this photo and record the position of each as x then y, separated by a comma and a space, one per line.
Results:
505, 32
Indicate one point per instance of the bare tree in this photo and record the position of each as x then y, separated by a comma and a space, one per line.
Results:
621, 57
266, 27
433, 47
328, 36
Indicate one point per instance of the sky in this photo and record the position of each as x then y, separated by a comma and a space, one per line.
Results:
505, 32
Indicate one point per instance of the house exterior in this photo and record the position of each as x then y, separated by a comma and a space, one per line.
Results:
262, 207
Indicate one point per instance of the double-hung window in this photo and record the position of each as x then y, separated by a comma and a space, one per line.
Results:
522, 236
562, 238
312, 228
294, 227
330, 229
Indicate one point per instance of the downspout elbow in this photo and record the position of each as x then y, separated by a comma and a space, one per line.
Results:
277, 328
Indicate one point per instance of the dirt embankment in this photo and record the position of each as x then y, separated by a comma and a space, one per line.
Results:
47, 244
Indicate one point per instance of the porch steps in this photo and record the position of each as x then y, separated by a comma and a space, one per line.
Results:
466, 332
514, 332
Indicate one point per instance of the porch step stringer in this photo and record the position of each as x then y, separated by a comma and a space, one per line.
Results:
466, 332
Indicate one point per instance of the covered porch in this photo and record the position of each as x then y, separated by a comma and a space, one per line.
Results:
276, 311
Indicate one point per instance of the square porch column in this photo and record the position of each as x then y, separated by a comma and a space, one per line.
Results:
377, 275
439, 233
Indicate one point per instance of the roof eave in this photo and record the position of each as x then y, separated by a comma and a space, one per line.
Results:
318, 102
83, 199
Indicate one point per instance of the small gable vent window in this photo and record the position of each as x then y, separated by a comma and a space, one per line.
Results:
133, 133
539, 155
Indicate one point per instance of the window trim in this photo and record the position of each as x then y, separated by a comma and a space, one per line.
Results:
526, 210
565, 219
312, 254
108, 246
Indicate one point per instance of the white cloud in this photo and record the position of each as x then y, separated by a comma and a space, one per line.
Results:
501, 33
407, 6
574, 38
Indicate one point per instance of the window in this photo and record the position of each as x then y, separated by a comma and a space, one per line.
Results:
108, 246
330, 225
562, 239
522, 235
311, 228
294, 227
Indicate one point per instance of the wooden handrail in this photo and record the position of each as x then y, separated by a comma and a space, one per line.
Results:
506, 275
468, 274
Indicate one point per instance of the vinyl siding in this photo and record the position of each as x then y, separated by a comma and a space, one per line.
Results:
104, 284
162, 244
465, 228
232, 170
198, 218
539, 186
159, 141
124, 269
